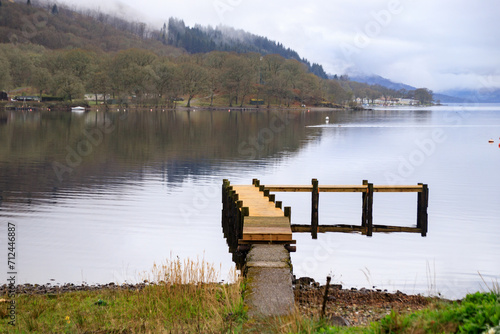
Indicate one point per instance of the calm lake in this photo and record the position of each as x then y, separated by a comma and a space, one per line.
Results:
100, 197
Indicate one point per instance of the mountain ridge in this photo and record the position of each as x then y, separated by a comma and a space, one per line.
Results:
203, 39
443, 97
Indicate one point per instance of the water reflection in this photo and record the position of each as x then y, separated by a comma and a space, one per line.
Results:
49, 151
132, 188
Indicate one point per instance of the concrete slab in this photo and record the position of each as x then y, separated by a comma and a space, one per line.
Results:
269, 277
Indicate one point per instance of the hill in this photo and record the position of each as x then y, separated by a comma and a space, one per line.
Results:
201, 39
374, 79
57, 27
477, 96
52, 50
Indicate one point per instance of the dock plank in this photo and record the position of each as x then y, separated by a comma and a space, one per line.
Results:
265, 222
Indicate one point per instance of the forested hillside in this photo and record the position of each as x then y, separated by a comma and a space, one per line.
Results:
205, 39
49, 50
60, 28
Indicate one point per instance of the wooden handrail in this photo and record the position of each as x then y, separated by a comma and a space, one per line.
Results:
367, 190
345, 188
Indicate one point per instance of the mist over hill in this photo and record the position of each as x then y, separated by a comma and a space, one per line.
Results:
374, 79
199, 39
47, 48
443, 97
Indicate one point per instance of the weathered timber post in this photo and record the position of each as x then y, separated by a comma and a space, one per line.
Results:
325, 296
364, 197
314, 209
239, 222
245, 211
288, 212
422, 205
369, 210
278, 204
419, 207
225, 207
256, 182
425, 214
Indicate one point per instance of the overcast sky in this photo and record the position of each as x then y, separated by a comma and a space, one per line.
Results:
438, 44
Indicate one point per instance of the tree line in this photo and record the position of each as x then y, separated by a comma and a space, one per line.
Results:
206, 39
64, 53
161, 80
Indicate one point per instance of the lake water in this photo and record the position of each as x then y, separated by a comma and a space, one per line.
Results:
100, 197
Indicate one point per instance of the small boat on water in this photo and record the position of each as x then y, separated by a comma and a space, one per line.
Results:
78, 109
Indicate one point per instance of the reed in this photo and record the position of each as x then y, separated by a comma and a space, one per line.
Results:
180, 297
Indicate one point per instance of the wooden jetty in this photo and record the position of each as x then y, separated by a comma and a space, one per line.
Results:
255, 223
252, 215
367, 189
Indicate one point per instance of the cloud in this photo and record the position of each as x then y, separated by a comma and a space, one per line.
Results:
436, 44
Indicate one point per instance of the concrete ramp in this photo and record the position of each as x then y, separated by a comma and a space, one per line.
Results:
269, 277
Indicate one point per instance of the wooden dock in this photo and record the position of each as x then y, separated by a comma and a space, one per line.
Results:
255, 223
265, 222
367, 189
252, 215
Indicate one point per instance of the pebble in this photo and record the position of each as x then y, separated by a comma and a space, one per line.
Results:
37, 289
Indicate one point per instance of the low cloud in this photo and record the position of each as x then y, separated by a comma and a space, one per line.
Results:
439, 45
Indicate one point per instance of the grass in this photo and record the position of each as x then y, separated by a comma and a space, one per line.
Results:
183, 299
476, 313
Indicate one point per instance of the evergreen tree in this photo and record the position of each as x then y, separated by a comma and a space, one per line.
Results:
55, 10
29, 3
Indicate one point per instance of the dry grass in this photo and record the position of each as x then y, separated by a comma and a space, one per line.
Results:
182, 297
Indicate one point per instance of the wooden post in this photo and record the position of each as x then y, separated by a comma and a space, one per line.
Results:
288, 213
239, 221
422, 205
369, 211
224, 198
266, 192
325, 296
272, 197
225, 207
256, 182
245, 210
419, 207
278, 204
363, 205
314, 209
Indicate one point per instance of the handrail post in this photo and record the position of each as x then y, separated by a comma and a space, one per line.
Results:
363, 205
422, 205
288, 212
369, 210
419, 208
314, 209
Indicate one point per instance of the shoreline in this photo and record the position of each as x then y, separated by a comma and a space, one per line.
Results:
352, 306
344, 307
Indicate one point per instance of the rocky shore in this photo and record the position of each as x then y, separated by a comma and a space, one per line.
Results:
344, 307
47, 289
352, 307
